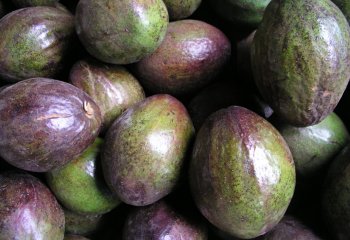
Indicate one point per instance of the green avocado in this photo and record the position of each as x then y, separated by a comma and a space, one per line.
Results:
300, 59
180, 9
242, 175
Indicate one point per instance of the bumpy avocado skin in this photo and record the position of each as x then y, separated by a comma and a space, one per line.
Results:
336, 197
314, 146
145, 149
344, 6
35, 42
121, 32
242, 175
28, 210
248, 13
160, 221
112, 87
300, 59
33, 3
79, 184
179, 9
45, 123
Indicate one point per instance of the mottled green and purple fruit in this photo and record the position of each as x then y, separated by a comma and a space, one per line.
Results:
28, 210
81, 224
315, 146
242, 174
159, 221
344, 6
75, 237
145, 149
290, 228
179, 9
79, 184
248, 13
112, 87
45, 123
121, 32
336, 197
300, 58
35, 42
34, 3
192, 54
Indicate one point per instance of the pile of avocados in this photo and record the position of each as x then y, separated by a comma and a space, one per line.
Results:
174, 119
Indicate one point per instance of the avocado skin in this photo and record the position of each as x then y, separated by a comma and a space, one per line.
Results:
336, 197
45, 123
180, 9
28, 210
160, 221
344, 6
121, 32
247, 13
79, 184
34, 3
315, 146
300, 59
81, 224
112, 87
145, 149
242, 174
23, 54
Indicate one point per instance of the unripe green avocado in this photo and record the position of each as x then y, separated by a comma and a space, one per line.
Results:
300, 59
242, 174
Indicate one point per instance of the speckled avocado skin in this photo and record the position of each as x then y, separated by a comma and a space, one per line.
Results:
336, 197
159, 221
81, 224
344, 6
121, 32
242, 175
79, 184
45, 123
248, 13
28, 210
33, 3
35, 42
300, 59
145, 149
179, 9
112, 87
192, 54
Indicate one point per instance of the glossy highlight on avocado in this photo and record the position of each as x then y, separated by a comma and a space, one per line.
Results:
300, 57
242, 174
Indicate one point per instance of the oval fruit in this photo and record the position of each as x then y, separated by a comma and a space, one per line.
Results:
314, 146
145, 149
81, 224
112, 87
191, 55
121, 32
300, 59
180, 9
45, 123
35, 42
28, 210
159, 221
33, 3
242, 174
336, 197
79, 186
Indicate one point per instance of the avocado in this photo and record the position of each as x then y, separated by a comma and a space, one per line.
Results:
35, 42
34, 3
344, 6
160, 221
45, 123
28, 210
192, 54
79, 184
336, 197
179, 9
242, 174
246, 13
300, 58
112, 87
145, 149
315, 146
121, 32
